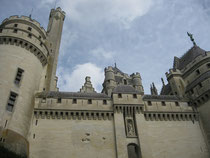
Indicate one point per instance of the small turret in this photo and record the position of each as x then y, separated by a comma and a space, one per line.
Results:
109, 82
87, 88
137, 84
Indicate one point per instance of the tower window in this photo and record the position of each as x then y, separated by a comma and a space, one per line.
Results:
119, 95
125, 82
59, 100
15, 25
104, 102
163, 103
198, 72
29, 35
74, 101
15, 30
11, 101
89, 101
18, 76
0, 30
29, 28
135, 96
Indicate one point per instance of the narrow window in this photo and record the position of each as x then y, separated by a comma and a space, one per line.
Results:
29, 28
18, 76
0, 30
5, 125
33, 136
197, 72
134, 96
40, 37
163, 103
59, 100
149, 103
177, 103
89, 101
119, 95
208, 65
41, 44
11, 101
74, 101
104, 102
125, 82
15, 30
29, 35
15, 25
36, 122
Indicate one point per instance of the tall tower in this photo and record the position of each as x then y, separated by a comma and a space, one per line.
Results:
27, 53
54, 32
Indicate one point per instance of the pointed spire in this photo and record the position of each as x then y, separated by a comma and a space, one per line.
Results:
163, 81
153, 89
191, 38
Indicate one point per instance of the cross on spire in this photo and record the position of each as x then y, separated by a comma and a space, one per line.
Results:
191, 38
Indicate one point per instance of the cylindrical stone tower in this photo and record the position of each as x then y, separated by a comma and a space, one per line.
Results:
109, 82
23, 58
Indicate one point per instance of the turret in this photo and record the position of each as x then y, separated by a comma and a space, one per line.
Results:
109, 82
23, 59
137, 83
176, 81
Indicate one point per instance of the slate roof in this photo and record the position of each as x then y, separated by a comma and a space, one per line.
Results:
165, 90
125, 89
189, 56
55, 94
162, 97
198, 80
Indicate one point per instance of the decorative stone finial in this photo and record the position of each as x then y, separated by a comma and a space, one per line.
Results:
191, 38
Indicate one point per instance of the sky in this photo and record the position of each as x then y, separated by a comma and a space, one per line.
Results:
139, 35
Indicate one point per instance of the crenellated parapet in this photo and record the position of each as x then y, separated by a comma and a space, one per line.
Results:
27, 33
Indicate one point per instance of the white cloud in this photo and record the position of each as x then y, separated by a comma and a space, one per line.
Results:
74, 81
91, 11
100, 53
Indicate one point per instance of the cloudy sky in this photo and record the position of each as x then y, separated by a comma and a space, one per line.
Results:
139, 35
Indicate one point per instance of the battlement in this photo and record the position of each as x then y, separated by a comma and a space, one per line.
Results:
24, 19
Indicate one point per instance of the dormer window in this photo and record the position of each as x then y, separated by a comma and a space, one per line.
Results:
125, 82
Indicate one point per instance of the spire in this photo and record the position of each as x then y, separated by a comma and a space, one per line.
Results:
153, 89
191, 38
162, 81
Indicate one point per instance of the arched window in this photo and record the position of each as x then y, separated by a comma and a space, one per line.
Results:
133, 151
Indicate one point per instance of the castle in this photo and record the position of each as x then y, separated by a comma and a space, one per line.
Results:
39, 121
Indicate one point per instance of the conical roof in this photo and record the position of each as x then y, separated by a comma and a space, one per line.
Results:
189, 56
